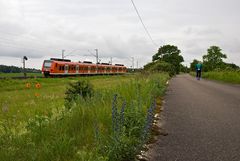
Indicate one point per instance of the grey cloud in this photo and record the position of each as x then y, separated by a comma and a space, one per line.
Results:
41, 29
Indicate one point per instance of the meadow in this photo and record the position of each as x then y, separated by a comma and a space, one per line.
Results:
36, 122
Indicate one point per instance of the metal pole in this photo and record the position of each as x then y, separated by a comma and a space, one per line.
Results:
96, 60
63, 54
132, 63
96, 56
24, 73
111, 60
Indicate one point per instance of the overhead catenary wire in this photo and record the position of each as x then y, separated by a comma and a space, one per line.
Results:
144, 26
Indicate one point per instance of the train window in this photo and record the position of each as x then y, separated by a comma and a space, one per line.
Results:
47, 64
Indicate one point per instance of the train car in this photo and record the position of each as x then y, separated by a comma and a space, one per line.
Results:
65, 67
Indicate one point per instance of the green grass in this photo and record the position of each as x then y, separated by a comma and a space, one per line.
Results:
8, 75
23, 102
224, 76
41, 128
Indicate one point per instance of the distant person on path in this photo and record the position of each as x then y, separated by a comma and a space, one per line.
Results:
198, 70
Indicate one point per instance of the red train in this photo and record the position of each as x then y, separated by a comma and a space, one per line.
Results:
64, 67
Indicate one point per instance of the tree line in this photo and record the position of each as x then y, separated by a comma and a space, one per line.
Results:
169, 59
14, 69
213, 61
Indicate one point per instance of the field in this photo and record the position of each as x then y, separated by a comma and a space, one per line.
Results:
23, 102
8, 75
37, 123
224, 76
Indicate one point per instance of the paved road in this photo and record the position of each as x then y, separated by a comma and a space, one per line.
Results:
202, 119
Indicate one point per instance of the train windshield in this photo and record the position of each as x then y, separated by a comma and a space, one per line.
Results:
47, 64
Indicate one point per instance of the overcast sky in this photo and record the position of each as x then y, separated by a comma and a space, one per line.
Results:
40, 29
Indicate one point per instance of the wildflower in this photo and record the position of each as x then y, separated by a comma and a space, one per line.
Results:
28, 85
38, 85
114, 113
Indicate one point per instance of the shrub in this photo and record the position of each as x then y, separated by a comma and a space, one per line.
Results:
78, 89
161, 66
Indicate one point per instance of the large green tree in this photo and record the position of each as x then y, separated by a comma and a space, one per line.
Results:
170, 54
214, 58
193, 64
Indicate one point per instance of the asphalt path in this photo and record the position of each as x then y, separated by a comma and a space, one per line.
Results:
202, 119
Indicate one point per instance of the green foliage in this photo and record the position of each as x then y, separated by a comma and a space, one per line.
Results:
193, 65
77, 89
13, 69
213, 59
224, 76
160, 66
169, 54
184, 69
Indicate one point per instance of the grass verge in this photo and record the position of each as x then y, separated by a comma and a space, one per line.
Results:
112, 125
224, 76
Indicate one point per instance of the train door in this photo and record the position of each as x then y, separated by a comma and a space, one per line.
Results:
89, 69
77, 69
66, 69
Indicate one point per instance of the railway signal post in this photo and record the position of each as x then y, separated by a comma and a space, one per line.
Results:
24, 71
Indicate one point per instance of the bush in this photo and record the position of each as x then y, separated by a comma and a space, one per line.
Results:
78, 89
161, 66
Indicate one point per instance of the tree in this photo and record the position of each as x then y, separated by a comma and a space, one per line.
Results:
169, 54
160, 66
184, 69
193, 64
214, 58
231, 66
